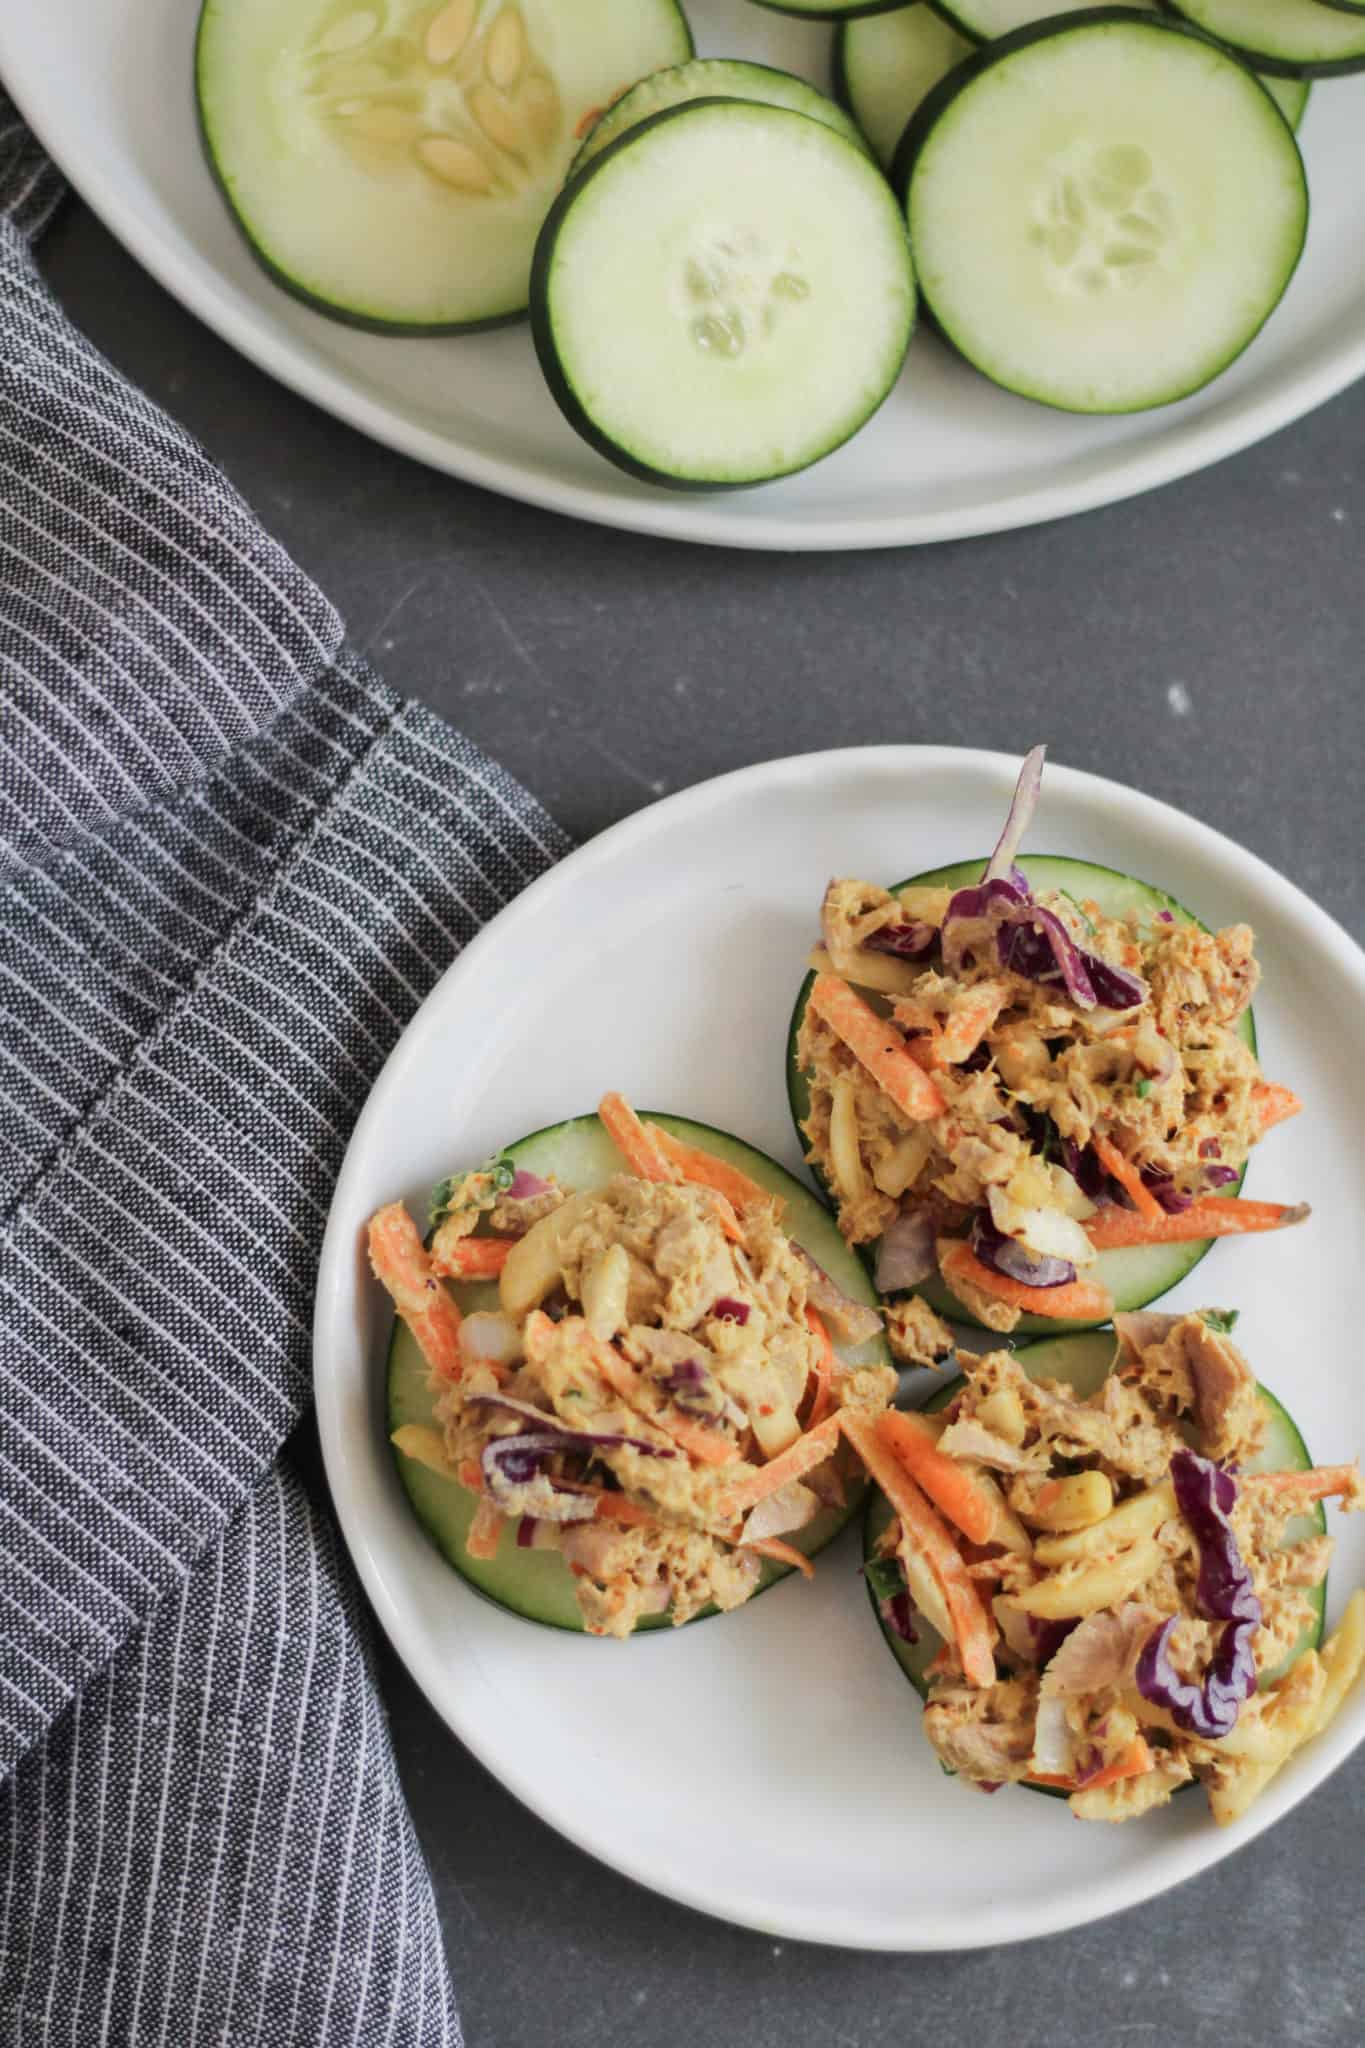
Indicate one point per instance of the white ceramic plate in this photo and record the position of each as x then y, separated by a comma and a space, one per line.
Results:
767, 1766
948, 455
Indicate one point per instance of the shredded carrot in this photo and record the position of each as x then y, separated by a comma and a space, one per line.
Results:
473, 1258
783, 1553
707, 1446
949, 1485
823, 1371
1320, 1482
927, 1535
1080, 1301
1129, 1179
964, 1030
726, 1217
618, 1507
704, 1170
1215, 1216
799, 1458
401, 1264
633, 1141
484, 1530
878, 1047
470, 1473
1274, 1103
1134, 1762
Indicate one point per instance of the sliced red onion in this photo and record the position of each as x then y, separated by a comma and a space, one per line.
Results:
1220, 1176
1015, 1261
1164, 917
726, 1309
524, 1186
1022, 806
905, 1255
1210, 1149
908, 940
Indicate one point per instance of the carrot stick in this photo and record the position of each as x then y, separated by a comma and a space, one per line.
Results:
632, 1140
1215, 1216
1274, 1103
823, 1371
484, 1530
964, 1030
1134, 1762
730, 1224
704, 1170
707, 1446
473, 1258
783, 1553
799, 1458
948, 1485
401, 1264
1129, 1179
1080, 1301
618, 1507
926, 1534
878, 1047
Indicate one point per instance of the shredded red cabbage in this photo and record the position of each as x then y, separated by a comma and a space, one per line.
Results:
1006, 1255
1023, 804
1037, 945
1167, 1193
907, 941
1115, 988
526, 1532
1210, 1149
1164, 917
898, 1614
1220, 1176
728, 1310
1224, 1591
511, 1461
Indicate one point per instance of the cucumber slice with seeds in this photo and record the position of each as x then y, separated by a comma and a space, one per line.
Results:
713, 78
390, 161
1136, 1276
1083, 1363
1105, 209
536, 1583
723, 296
885, 65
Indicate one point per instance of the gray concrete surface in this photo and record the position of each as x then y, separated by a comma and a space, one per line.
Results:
1203, 644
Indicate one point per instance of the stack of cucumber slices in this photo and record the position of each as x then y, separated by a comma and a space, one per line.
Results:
1100, 208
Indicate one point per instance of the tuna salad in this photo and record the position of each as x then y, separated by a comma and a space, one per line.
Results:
1005, 1082
655, 1394
1124, 1588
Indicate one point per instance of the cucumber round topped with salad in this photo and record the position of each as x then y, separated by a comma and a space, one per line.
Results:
723, 295
391, 161
620, 1368
1029, 1087
1101, 1562
1104, 208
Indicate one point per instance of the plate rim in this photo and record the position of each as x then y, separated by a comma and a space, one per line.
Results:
1180, 451
1124, 1889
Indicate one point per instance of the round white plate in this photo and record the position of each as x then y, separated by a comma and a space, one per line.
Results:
767, 1765
948, 455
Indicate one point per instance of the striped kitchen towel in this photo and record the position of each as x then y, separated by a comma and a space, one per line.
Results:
232, 864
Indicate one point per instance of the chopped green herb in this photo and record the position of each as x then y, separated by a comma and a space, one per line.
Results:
1144, 1089
1223, 1320
884, 1577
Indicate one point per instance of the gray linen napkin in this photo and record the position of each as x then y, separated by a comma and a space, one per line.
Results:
232, 864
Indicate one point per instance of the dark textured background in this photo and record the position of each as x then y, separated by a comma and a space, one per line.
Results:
1203, 644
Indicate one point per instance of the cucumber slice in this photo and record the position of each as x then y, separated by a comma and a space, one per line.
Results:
1083, 1362
886, 64
713, 78
390, 161
723, 296
1079, 238
829, 10
537, 1583
1287, 38
1143, 1273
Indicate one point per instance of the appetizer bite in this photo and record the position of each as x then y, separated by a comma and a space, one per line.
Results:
1104, 1569
1032, 1085
619, 1368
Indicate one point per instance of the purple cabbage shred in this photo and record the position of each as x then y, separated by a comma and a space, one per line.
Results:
906, 941
1014, 1260
728, 1310
1224, 1592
